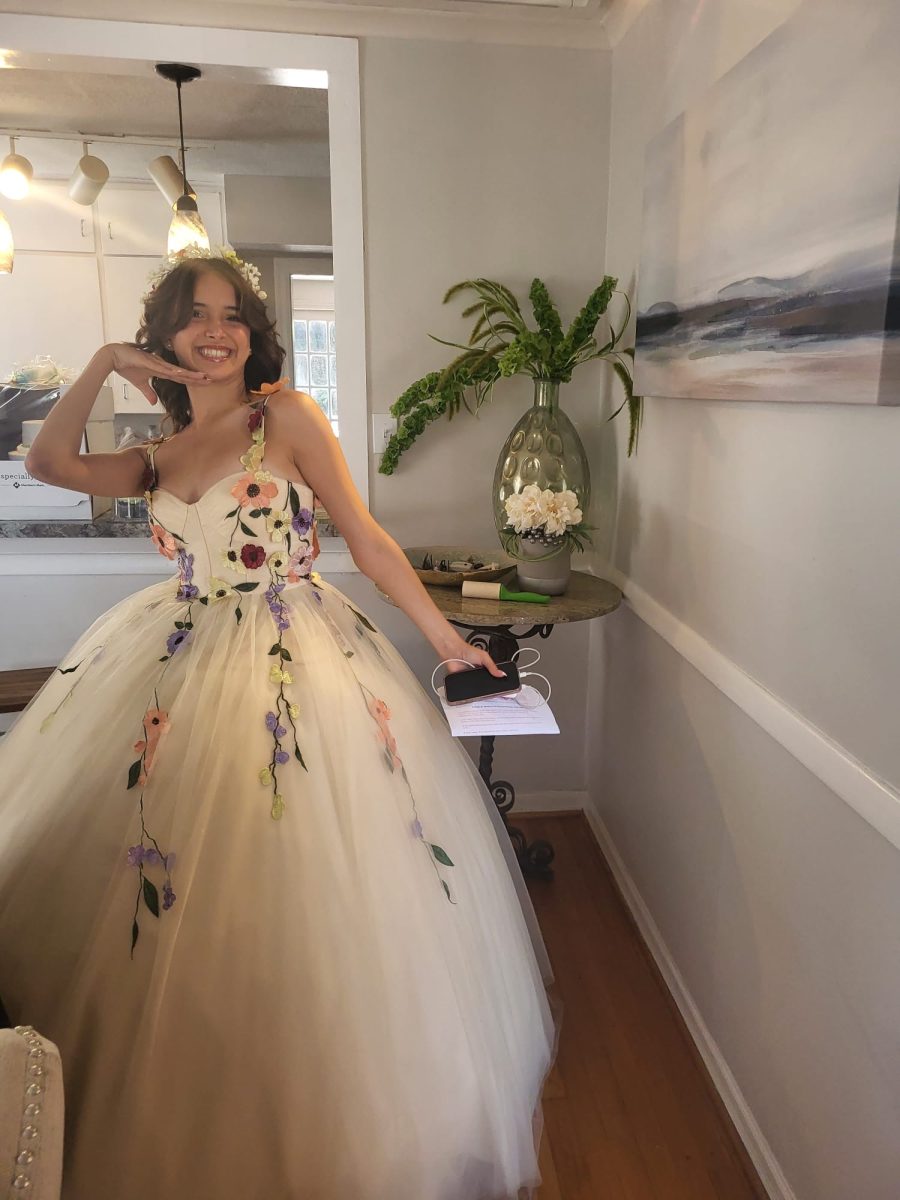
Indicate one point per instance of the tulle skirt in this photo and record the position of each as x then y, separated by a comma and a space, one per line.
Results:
263, 904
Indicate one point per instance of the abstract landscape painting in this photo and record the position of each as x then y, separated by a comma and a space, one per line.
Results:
769, 264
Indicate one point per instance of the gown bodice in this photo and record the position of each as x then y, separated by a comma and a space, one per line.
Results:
249, 532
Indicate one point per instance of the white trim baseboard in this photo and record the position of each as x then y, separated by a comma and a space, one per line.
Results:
763, 1158
872, 797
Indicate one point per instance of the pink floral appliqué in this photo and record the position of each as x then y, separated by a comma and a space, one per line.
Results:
163, 541
156, 722
382, 715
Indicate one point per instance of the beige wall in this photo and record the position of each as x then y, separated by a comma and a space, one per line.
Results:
769, 530
266, 210
479, 160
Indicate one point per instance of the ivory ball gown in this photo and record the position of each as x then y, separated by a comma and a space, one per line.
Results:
259, 897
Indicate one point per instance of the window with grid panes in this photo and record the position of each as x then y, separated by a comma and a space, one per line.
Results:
313, 337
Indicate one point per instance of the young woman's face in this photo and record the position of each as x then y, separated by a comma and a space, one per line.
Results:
215, 340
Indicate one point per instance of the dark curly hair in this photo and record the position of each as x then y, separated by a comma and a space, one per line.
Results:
169, 308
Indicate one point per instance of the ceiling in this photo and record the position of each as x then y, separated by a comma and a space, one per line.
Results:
224, 121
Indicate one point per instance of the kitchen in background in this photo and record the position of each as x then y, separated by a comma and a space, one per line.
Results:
77, 245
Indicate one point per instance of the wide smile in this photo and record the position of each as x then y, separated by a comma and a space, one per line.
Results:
214, 354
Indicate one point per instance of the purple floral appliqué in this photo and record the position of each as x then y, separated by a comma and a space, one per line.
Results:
186, 588
302, 521
277, 606
176, 640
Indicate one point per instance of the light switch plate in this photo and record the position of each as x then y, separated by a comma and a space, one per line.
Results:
383, 425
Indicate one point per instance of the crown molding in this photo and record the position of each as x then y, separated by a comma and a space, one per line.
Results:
576, 27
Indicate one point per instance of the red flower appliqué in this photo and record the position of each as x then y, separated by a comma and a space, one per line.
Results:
252, 556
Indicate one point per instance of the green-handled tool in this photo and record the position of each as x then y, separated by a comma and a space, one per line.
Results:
497, 591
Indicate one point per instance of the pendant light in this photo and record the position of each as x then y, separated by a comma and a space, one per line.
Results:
6, 246
187, 228
88, 178
15, 173
166, 174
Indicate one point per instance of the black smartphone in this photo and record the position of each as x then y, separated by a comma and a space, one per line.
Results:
477, 682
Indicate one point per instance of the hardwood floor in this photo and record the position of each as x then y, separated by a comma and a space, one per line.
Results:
629, 1110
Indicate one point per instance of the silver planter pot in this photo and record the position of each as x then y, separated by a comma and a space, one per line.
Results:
549, 576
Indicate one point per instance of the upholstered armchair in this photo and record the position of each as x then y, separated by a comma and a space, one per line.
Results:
31, 1115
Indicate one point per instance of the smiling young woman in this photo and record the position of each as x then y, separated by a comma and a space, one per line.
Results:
282, 951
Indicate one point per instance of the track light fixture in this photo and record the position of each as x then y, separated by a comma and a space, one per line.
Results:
88, 178
15, 174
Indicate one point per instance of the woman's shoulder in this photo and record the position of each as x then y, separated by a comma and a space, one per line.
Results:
282, 398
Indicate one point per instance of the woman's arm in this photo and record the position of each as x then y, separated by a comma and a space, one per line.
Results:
320, 460
55, 455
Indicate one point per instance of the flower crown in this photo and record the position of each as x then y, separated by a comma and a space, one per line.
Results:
249, 270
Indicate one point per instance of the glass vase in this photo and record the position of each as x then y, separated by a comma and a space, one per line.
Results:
542, 448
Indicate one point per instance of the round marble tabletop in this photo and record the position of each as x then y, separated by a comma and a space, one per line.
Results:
585, 597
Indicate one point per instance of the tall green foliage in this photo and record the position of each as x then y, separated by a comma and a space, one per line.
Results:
502, 344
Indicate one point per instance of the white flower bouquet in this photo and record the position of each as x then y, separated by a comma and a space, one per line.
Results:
543, 516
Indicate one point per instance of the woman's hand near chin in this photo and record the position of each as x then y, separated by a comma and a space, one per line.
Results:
139, 366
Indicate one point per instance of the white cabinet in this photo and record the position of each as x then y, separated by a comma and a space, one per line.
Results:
136, 220
50, 305
46, 219
126, 282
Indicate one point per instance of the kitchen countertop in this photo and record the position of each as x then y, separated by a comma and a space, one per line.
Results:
106, 526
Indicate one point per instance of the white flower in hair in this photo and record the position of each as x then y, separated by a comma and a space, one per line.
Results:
249, 270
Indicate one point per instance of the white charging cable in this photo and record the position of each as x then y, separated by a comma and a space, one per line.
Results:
522, 675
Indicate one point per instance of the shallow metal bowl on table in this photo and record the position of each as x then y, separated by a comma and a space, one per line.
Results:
427, 561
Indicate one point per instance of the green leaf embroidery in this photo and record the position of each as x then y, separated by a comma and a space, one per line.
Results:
365, 620
238, 614
256, 512
234, 512
293, 499
441, 855
447, 890
134, 935
286, 654
151, 897
299, 758
246, 587
133, 772
246, 528
276, 649
69, 670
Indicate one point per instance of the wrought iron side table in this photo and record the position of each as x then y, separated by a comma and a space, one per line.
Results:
491, 627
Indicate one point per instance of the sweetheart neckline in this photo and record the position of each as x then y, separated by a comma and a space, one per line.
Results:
212, 487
